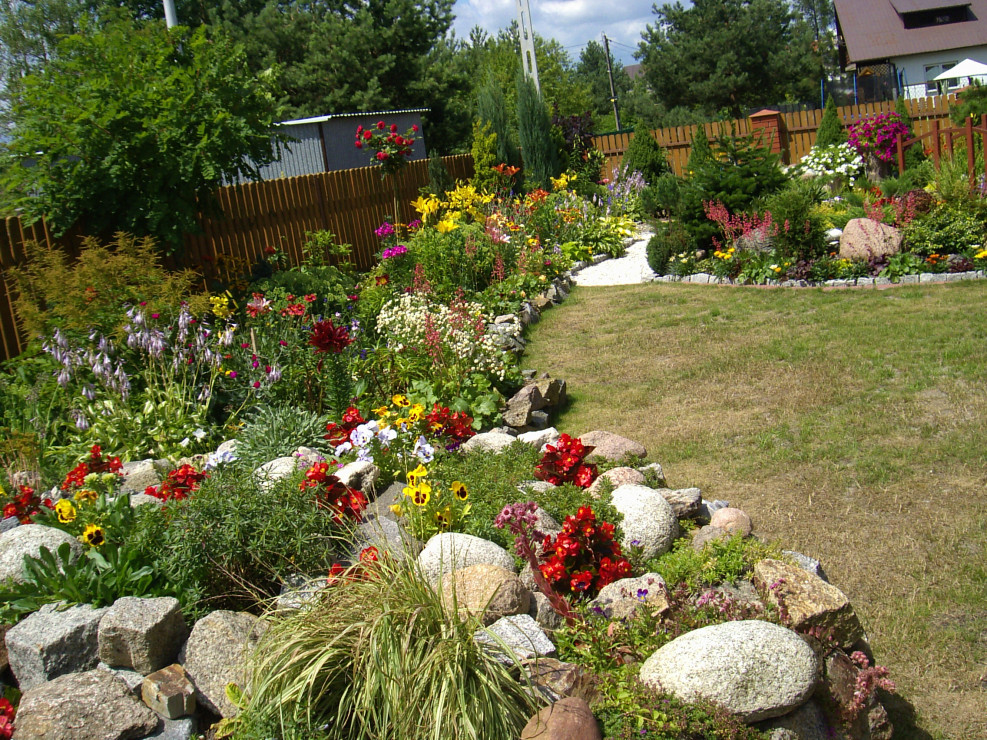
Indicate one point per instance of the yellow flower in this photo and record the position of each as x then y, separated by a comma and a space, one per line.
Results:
221, 305
85, 494
446, 225
381, 411
65, 511
421, 494
443, 518
981, 255
397, 509
459, 490
94, 535
416, 413
400, 401
417, 473
426, 206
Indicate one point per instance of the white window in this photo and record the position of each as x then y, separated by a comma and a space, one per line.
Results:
938, 88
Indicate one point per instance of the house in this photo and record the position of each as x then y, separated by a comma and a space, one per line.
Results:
899, 47
325, 143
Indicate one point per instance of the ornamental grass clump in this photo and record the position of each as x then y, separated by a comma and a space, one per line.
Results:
378, 656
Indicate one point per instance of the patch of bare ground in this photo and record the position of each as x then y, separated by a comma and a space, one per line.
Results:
851, 425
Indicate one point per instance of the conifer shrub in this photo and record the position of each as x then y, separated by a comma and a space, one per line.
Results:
646, 156
539, 151
831, 129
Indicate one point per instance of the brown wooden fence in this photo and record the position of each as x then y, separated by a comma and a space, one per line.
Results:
278, 213
800, 126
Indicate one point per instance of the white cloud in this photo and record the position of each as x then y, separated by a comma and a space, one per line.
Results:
572, 23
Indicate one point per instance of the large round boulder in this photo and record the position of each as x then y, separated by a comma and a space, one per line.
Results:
755, 669
451, 551
649, 521
487, 592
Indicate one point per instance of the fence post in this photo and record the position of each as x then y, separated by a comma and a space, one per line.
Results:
771, 124
971, 152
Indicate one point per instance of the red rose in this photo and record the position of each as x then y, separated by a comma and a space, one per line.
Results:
394, 128
380, 125
359, 145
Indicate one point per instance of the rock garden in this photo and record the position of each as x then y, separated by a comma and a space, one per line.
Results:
317, 503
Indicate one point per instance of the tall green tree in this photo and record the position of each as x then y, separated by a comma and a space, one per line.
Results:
592, 71
131, 128
728, 54
539, 151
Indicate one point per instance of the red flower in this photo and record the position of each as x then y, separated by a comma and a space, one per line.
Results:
581, 581
368, 135
334, 573
394, 128
326, 337
369, 554
414, 127
380, 125
359, 144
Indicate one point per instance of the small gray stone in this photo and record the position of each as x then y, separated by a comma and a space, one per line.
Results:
520, 634
9, 523
143, 634
451, 551
282, 467
704, 535
755, 669
809, 565
28, 539
139, 474
534, 486
685, 502
610, 446
909, 279
142, 499
177, 729
50, 643
540, 437
297, 591
653, 471
542, 611
538, 420
386, 535
94, 705
621, 599
227, 446
487, 442
362, 476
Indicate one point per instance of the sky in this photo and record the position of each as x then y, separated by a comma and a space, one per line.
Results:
572, 23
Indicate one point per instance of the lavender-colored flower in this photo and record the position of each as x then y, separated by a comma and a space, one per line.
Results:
81, 422
89, 392
63, 377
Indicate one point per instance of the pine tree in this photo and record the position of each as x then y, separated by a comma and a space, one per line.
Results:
538, 150
831, 129
701, 151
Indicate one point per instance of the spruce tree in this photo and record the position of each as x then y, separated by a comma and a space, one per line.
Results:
831, 129
538, 150
646, 156
700, 153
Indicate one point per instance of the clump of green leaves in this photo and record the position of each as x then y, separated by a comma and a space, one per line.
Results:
668, 240
720, 561
376, 643
277, 431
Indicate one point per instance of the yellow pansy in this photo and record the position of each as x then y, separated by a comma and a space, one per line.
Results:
65, 511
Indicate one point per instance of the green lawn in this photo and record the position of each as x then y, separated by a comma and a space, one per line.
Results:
851, 425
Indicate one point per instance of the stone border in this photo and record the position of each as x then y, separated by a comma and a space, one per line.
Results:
704, 278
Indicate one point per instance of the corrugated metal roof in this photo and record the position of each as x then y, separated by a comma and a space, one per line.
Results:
873, 30
323, 119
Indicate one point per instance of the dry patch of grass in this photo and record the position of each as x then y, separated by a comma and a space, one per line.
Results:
851, 425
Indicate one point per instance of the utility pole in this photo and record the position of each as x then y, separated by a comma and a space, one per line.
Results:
528, 61
613, 92
171, 17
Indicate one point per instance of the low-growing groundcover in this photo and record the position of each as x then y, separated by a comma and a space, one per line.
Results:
851, 425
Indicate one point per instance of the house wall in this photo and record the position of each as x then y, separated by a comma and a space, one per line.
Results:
912, 67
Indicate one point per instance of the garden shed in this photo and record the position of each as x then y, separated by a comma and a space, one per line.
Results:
325, 143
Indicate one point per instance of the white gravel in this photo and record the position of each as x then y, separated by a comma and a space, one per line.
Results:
630, 269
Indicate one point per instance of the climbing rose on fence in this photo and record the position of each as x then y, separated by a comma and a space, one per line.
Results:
876, 134
389, 148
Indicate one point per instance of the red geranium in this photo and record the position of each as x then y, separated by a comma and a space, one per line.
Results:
456, 426
563, 463
95, 464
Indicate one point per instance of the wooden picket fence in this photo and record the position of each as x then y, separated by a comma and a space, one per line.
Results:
272, 213
801, 127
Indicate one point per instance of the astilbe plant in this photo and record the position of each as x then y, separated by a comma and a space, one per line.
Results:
564, 462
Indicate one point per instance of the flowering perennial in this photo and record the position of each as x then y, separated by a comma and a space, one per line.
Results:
563, 462
877, 134
178, 484
583, 557
345, 503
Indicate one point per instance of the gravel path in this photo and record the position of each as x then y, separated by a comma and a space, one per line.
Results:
630, 269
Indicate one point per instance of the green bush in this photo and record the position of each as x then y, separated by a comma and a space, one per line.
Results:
720, 561
378, 655
945, 230
646, 156
669, 239
538, 149
232, 543
664, 195
741, 172
831, 129
801, 230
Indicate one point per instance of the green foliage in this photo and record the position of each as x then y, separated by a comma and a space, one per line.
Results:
140, 146
741, 171
535, 135
700, 153
805, 235
439, 179
484, 158
718, 54
592, 70
234, 541
663, 195
646, 156
94, 290
972, 103
631, 710
492, 108
669, 239
277, 431
945, 230
99, 577
831, 129
378, 655
720, 561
